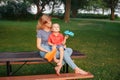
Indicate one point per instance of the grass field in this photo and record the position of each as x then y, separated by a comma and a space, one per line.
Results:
98, 39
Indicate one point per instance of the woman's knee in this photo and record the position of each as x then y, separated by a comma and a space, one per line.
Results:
68, 51
42, 54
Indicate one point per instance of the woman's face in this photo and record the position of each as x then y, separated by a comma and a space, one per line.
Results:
47, 21
48, 24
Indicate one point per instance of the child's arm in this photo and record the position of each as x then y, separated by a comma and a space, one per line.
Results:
65, 38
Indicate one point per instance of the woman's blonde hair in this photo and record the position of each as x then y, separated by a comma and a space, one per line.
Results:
42, 20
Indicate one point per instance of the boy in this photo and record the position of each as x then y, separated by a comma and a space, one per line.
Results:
57, 41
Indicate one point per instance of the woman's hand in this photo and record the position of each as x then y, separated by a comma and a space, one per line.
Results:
53, 47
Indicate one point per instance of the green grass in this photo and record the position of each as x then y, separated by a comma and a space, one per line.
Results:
17, 36
98, 39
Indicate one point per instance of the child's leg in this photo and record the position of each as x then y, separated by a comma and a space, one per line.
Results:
57, 69
61, 55
56, 60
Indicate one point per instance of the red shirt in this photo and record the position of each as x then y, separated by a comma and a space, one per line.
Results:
56, 39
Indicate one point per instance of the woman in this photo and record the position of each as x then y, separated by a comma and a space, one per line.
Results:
43, 32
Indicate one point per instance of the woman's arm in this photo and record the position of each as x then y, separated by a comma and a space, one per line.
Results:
53, 45
39, 45
50, 44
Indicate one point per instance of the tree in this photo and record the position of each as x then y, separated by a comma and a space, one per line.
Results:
14, 10
77, 4
112, 4
93, 5
42, 3
38, 3
73, 6
67, 11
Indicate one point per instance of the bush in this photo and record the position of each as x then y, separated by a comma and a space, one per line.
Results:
15, 11
96, 16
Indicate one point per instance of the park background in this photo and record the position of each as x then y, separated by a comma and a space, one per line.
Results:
96, 35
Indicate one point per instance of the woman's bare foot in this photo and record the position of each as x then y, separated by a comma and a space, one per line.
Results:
80, 71
57, 69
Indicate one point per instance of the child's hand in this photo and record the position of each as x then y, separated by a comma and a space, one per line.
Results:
64, 46
66, 37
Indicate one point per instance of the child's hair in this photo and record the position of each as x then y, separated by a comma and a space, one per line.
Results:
42, 20
55, 24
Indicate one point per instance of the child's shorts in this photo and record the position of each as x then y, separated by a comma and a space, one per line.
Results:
58, 46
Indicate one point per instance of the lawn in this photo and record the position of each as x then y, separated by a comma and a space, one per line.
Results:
98, 39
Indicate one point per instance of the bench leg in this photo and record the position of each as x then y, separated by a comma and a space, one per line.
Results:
8, 68
63, 70
67, 68
19, 68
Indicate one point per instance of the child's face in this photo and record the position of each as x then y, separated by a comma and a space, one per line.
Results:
55, 28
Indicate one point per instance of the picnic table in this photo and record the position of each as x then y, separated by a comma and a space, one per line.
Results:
11, 57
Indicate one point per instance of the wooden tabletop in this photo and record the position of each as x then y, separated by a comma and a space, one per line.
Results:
29, 56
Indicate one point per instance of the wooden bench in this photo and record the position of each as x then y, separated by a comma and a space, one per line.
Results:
64, 76
10, 58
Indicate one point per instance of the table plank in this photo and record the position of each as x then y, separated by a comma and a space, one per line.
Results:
29, 56
64, 76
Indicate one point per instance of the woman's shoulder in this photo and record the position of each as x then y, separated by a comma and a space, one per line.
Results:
43, 32
40, 31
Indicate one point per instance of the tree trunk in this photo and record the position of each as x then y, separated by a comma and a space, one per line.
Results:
38, 10
102, 11
112, 17
53, 6
74, 13
67, 11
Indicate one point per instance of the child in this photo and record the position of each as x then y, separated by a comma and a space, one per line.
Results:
57, 41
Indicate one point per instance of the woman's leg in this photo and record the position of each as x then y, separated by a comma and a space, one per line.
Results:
69, 61
42, 54
67, 52
67, 58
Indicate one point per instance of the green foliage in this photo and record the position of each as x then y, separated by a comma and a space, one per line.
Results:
94, 16
111, 3
15, 11
78, 4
